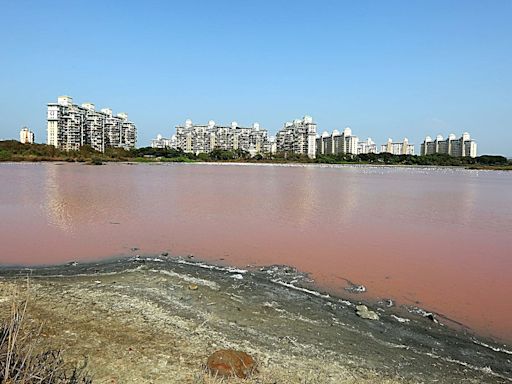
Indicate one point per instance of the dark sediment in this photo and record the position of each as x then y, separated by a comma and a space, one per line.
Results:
274, 313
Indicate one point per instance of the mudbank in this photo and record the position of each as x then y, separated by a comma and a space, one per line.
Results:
157, 319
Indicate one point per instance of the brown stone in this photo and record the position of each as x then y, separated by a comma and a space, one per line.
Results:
227, 362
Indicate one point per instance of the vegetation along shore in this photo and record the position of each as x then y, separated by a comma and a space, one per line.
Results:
12, 150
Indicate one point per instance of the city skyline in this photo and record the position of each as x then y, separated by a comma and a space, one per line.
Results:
400, 69
301, 136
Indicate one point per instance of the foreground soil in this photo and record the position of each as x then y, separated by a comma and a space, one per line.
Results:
157, 320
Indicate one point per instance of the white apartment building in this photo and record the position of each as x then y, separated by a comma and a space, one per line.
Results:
298, 137
272, 145
366, 146
461, 147
70, 126
337, 143
398, 148
26, 136
197, 139
162, 142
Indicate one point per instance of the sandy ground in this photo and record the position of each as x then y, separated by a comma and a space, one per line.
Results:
142, 323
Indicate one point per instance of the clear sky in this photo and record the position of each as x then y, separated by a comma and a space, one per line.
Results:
385, 68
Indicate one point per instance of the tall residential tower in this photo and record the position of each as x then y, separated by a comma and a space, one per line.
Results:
26, 136
398, 148
70, 126
298, 137
198, 138
337, 143
461, 147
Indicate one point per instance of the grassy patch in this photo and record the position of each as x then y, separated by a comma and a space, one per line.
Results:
21, 358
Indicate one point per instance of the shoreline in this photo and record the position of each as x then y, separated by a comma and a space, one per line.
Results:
275, 302
504, 168
11, 150
292, 279
272, 164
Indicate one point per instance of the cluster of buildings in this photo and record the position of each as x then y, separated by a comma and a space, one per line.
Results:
346, 143
453, 146
199, 138
70, 126
398, 148
300, 137
162, 142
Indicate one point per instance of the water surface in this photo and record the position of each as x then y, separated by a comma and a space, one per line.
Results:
437, 238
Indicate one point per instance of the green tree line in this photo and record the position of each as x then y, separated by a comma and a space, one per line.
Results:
12, 150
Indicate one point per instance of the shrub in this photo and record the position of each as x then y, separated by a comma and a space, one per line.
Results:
19, 363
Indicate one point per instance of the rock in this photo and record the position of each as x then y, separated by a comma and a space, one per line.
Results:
165, 254
422, 312
363, 312
400, 319
228, 362
389, 303
356, 288
193, 287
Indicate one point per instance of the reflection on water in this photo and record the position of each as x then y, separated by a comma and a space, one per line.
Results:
91, 197
54, 204
441, 237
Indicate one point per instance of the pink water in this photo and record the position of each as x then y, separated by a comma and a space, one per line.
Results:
440, 237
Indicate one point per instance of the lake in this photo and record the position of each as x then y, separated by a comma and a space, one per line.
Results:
438, 238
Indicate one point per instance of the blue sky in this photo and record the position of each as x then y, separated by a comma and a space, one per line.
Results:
385, 68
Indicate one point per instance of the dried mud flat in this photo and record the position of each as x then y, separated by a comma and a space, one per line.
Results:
156, 320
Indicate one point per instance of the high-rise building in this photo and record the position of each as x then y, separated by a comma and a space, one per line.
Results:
162, 142
398, 148
26, 136
93, 133
337, 143
298, 137
193, 138
70, 126
461, 147
366, 146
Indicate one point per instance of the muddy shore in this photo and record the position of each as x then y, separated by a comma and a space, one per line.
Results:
138, 321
